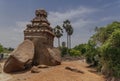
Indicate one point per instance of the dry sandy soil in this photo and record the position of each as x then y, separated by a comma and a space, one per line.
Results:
57, 73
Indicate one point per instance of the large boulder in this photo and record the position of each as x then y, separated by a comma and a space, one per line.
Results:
54, 56
20, 58
44, 54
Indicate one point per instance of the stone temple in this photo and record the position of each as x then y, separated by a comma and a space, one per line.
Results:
40, 27
37, 47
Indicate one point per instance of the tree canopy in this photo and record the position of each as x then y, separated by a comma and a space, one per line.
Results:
103, 49
107, 40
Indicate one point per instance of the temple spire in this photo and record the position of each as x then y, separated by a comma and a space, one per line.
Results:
40, 27
41, 17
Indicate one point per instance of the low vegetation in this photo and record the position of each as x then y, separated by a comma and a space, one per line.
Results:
102, 50
5, 51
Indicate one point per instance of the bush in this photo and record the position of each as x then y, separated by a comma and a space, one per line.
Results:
74, 52
111, 54
63, 51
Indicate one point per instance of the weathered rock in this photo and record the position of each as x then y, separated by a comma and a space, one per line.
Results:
45, 55
20, 58
35, 69
74, 69
112, 79
55, 57
42, 66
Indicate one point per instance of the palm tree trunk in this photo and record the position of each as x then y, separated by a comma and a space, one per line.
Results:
58, 42
67, 44
67, 41
70, 41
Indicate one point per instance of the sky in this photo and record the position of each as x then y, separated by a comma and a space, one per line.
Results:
84, 15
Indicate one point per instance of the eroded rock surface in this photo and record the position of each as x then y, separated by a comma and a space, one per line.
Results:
55, 57
44, 54
74, 69
43, 66
20, 58
35, 69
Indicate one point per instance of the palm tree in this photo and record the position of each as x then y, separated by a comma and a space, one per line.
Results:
66, 27
69, 30
58, 31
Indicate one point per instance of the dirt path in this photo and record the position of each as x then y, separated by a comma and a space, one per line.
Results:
57, 73
4, 76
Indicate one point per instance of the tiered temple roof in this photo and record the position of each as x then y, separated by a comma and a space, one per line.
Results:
40, 27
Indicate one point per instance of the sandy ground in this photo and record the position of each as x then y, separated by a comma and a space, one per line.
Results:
4, 76
57, 73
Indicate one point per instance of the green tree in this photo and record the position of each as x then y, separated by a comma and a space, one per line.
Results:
63, 51
103, 33
91, 52
81, 48
110, 52
74, 52
107, 39
58, 31
1, 48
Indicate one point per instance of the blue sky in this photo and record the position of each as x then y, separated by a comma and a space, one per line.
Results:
84, 15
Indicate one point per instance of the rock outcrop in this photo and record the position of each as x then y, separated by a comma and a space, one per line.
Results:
45, 55
37, 49
35, 69
74, 69
20, 58
54, 56
43, 66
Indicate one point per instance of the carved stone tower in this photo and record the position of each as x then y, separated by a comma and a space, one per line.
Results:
42, 36
40, 27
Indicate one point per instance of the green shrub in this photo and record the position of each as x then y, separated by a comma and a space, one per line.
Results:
74, 52
111, 54
63, 51
1, 48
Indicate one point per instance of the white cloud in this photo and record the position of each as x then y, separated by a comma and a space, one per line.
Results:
77, 17
109, 18
58, 17
79, 22
12, 36
20, 26
112, 4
